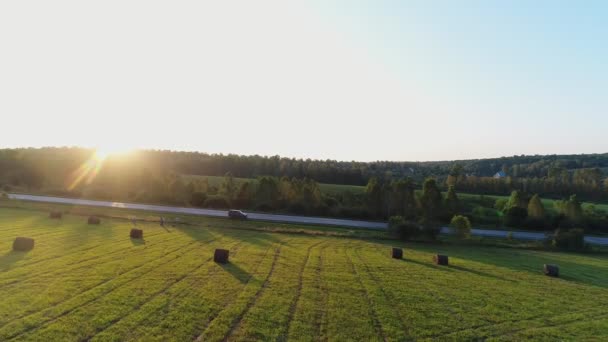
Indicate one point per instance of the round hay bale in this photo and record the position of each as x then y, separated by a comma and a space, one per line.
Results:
55, 214
23, 244
94, 220
440, 259
136, 233
397, 253
221, 255
551, 270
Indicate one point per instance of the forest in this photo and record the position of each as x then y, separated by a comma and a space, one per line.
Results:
430, 192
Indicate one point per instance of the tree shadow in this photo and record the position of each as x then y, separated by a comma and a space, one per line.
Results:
11, 257
236, 271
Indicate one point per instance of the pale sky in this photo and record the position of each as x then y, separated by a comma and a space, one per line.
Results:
346, 80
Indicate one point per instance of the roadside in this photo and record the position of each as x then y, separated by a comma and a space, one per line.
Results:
381, 226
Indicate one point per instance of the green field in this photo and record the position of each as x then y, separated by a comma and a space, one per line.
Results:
84, 282
325, 188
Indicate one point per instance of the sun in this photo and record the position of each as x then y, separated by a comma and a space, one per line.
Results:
103, 152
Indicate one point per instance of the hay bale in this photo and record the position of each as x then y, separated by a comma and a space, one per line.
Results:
221, 255
23, 244
94, 220
137, 233
55, 214
440, 259
551, 270
397, 253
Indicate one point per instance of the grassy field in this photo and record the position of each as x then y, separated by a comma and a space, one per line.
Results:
325, 188
84, 282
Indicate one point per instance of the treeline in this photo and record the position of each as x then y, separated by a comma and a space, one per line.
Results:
549, 176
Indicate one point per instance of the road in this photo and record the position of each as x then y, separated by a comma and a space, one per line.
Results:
519, 235
205, 212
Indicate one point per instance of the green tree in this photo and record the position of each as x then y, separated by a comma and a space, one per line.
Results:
228, 186
452, 203
403, 198
574, 211
518, 200
536, 210
431, 199
461, 225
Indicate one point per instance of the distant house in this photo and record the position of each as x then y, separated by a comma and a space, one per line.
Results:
500, 174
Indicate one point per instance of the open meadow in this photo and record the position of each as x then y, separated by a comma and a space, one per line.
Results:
92, 282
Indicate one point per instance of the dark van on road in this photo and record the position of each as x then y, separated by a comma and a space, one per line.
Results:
237, 214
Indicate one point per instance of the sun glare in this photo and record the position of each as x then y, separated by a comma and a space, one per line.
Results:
101, 153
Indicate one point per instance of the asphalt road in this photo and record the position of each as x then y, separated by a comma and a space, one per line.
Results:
282, 218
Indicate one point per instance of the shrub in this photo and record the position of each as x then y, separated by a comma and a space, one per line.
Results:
500, 204
198, 199
217, 202
399, 228
430, 228
515, 216
461, 226
570, 240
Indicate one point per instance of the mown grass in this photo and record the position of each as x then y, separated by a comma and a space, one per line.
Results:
84, 282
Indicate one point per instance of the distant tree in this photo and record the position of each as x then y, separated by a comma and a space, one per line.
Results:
228, 186
536, 210
431, 199
574, 212
267, 194
461, 225
455, 174
517, 199
403, 198
452, 203
403, 229
198, 199
375, 197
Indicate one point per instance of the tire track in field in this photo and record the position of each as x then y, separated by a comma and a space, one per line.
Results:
234, 298
5, 282
597, 314
373, 314
387, 295
294, 304
103, 242
320, 315
436, 295
181, 294
160, 293
236, 323
66, 312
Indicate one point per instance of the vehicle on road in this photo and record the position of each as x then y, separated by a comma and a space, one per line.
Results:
237, 214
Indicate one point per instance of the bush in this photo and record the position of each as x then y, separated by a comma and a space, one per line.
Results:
217, 202
534, 223
430, 228
3, 196
461, 226
515, 216
500, 204
198, 199
570, 240
264, 207
483, 215
399, 228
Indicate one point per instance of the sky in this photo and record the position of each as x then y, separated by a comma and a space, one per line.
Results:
344, 80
